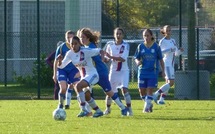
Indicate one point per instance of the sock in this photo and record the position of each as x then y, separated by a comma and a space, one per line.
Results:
61, 98
143, 97
116, 99
81, 99
148, 99
163, 96
164, 88
88, 107
108, 102
127, 98
68, 96
93, 105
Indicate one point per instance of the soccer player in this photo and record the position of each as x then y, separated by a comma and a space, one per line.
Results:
67, 76
118, 52
147, 57
90, 40
81, 58
169, 49
50, 61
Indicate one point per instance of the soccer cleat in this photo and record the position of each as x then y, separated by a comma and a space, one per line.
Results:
155, 98
83, 113
148, 108
151, 108
130, 112
161, 102
124, 111
98, 114
67, 107
107, 111
60, 106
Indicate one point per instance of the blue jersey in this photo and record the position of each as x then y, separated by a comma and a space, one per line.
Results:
99, 64
149, 58
62, 49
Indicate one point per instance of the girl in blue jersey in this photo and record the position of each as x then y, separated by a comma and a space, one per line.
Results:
66, 76
147, 57
89, 39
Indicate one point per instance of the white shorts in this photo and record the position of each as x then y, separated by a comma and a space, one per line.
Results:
88, 89
119, 79
169, 72
91, 79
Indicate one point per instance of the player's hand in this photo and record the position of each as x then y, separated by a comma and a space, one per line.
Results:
182, 49
108, 55
54, 78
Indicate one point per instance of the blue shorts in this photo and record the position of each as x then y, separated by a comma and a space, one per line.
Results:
104, 83
147, 82
68, 76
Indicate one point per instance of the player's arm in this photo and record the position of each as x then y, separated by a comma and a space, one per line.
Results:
120, 59
162, 68
54, 77
137, 56
58, 51
179, 51
63, 62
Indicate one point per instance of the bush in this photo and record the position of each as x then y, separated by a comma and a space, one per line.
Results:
32, 80
212, 81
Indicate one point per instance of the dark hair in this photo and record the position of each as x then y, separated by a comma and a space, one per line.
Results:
119, 28
75, 38
150, 32
162, 29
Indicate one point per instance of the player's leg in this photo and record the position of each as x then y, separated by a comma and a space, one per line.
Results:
114, 82
62, 92
151, 85
91, 80
169, 72
124, 78
56, 90
93, 105
106, 86
69, 96
62, 81
81, 97
164, 94
108, 101
73, 77
142, 85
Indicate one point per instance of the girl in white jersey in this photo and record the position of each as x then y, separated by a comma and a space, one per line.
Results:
169, 50
117, 51
81, 58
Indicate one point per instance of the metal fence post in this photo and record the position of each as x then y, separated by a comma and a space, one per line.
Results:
38, 48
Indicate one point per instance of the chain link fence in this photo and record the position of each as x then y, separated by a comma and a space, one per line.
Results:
19, 35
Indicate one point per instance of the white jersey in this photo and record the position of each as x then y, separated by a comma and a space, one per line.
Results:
122, 51
82, 60
169, 51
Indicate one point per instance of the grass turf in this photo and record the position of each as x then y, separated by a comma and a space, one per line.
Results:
35, 117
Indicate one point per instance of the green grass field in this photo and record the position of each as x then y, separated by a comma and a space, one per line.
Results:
176, 117
21, 112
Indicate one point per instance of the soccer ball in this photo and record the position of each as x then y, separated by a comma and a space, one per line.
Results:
59, 114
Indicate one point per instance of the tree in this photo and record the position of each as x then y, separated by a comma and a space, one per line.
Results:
137, 14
